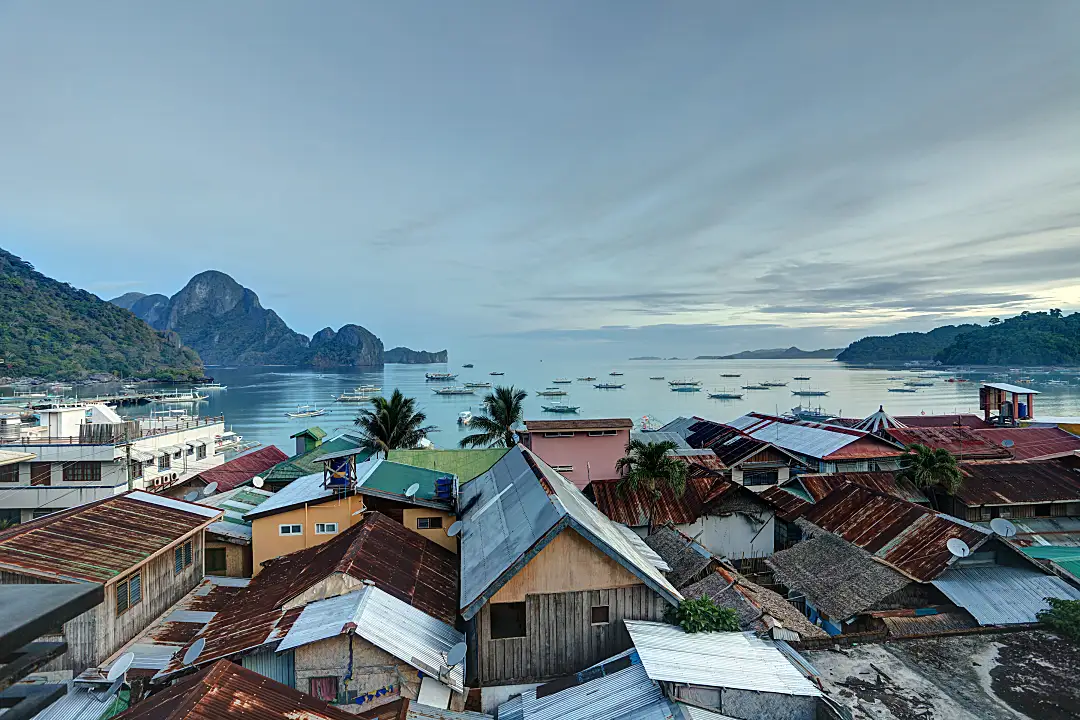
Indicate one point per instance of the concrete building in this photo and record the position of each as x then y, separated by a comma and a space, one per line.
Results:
580, 450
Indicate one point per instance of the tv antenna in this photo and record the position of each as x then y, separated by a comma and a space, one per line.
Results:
455, 528
210, 489
192, 496
257, 481
456, 655
194, 651
1002, 527
412, 490
958, 547
116, 677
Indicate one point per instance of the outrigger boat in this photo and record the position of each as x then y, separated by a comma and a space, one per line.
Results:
352, 398
730, 375
562, 381
682, 383
657, 377
306, 411
464, 417
615, 373
368, 388
496, 372
587, 378
755, 387
685, 388
467, 365
454, 391
477, 384
558, 407
552, 392
439, 376
774, 384
919, 383
214, 386
801, 377
609, 386
903, 389
810, 393
725, 396
810, 414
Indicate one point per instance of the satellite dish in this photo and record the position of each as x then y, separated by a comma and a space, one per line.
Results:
194, 651
121, 666
192, 496
958, 547
412, 490
455, 528
1002, 527
210, 489
456, 654
1007, 443
257, 481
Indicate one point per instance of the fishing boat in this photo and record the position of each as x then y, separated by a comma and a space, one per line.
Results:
801, 377
214, 386
810, 414
895, 377
368, 388
190, 396
723, 395
464, 417
496, 372
755, 387
609, 386
477, 384
306, 411
454, 391
963, 380
615, 373
467, 365
28, 394
558, 407
439, 376
562, 381
685, 388
226, 441
352, 397
730, 375
587, 378
774, 384
684, 383
61, 386
552, 392
657, 377
919, 383
903, 389
810, 393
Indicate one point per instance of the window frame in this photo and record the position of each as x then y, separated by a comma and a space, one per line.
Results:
124, 586
164, 462
74, 472
603, 433
324, 526
11, 471
311, 688
431, 522
189, 553
178, 560
216, 569
200, 452
606, 614
36, 478
289, 533
504, 610
559, 434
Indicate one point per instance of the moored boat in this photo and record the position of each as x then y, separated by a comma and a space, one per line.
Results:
615, 373
657, 377
454, 391
724, 395
352, 397
464, 417
609, 386
368, 388
562, 381
439, 376
467, 365
558, 407
685, 388
903, 389
810, 393
496, 372
214, 386
801, 377
730, 375
755, 387
477, 384
552, 392
306, 411
587, 378
684, 383
774, 384
810, 414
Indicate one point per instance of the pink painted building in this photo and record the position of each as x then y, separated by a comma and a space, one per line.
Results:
580, 450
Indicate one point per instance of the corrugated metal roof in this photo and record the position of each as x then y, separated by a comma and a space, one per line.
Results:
879, 422
657, 436
809, 441
960, 441
241, 469
100, 540
386, 622
78, 704
1067, 558
518, 506
1011, 388
819, 486
787, 505
632, 508
1015, 483
304, 463
465, 464
1001, 595
680, 425
1059, 532
1030, 443
314, 432
579, 424
716, 659
967, 420
416, 711
647, 552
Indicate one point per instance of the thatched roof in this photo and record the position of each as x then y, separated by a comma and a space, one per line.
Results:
686, 558
838, 578
752, 603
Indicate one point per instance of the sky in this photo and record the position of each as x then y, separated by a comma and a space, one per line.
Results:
616, 178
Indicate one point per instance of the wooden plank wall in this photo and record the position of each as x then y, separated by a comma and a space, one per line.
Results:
560, 637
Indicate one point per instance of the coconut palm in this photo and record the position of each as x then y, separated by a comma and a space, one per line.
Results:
931, 470
502, 412
647, 468
392, 424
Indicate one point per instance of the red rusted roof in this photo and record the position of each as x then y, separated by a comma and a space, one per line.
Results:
819, 486
226, 690
926, 421
631, 508
865, 448
100, 540
958, 441
905, 536
398, 561
597, 424
1018, 482
239, 470
788, 506
703, 464
1032, 443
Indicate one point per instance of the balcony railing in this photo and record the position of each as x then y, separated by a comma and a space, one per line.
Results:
116, 433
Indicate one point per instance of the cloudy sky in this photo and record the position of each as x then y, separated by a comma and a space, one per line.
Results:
626, 176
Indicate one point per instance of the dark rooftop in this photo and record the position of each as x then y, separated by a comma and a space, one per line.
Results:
579, 424
240, 470
961, 442
1017, 482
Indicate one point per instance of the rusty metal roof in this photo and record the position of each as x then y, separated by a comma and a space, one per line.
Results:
788, 506
1018, 483
906, 536
100, 540
578, 424
924, 421
960, 441
707, 433
1032, 443
631, 508
226, 690
239, 470
819, 486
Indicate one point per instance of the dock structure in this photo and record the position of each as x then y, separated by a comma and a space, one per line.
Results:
116, 400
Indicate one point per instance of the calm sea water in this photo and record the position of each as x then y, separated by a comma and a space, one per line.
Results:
257, 399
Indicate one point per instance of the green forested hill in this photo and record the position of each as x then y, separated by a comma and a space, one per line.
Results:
1043, 338
51, 329
903, 347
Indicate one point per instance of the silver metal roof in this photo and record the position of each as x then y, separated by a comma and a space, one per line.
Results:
815, 442
78, 704
308, 489
680, 426
386, 622
716, 659
416, 711
1011, 388
647, 552
1001, 595
655, 436
182, 505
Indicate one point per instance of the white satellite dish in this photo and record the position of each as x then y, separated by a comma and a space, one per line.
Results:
194, 651
1006, 443
456, 654
1002, 527
257, 481
192, 496
210, 489
455, 528
412, 490
120, 667
958, 547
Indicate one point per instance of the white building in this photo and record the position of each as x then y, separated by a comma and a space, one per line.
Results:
80, 453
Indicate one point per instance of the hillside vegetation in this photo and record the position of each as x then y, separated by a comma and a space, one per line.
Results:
51, 329
904, 347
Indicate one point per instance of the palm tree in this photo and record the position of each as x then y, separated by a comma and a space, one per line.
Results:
931, 470
392, 424
502, 411
648, 468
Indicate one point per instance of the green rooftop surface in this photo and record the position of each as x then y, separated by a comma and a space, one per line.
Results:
466, 464
1066, 557
395, 478
315, 432
306, 463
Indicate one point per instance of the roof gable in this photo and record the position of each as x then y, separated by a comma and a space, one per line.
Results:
1018, 483
241, 469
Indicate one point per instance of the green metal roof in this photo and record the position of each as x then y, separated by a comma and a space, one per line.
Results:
1066, 557
394, 478
466, 464
315, 432
307, 463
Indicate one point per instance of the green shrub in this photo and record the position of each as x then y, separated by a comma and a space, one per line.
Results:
1063, 617
704, 615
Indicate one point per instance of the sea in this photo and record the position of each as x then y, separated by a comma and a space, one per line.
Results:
257, 399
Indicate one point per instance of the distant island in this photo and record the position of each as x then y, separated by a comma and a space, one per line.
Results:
647, 357
791, 353
1028, 339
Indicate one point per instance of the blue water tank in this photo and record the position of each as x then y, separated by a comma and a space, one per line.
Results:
1021, 410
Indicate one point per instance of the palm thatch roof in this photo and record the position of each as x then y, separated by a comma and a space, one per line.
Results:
755, 605
687, 559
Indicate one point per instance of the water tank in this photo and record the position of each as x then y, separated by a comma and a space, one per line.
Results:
1021, 410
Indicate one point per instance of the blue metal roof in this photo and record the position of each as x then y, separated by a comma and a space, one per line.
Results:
1002, 595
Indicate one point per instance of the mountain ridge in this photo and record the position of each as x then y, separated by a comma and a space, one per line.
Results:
790, 353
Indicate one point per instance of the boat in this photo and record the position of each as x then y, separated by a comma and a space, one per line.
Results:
464, 417
730, 375
725, 396
352, 397
558, 407
895, 377
963, 380
477, 384
61, 386
919, 383
755, 387
609, 386
454, 391
657, 377
801, 377
214, 386
552, 392
439, 376
810, 393
467, 365
496, 372
226, 441
587, 378
684, 383
306, 411
810, 414
183, 397
685, 388
615, 373
368, 388
774, 384
29, 394
903, 389
562, 381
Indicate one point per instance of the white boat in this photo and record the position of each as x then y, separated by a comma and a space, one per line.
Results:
368, 388
774, 384
684, 383
552, 392
562, 381
191, 396
454, 391
352, 397
464, 417
306, 411
214, 386
29, 394
226, 441
477, 384
439, 376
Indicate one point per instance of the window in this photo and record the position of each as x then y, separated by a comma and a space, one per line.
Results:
428, 523
40, 473
325, 528
200, 452
603, 433
215, 561
290, 530
562, 468
507, 620
600, 615
323, 688
189, 555
190, 451
163, 462
178, 560
136, 469
128, 593
41, 513
178, 454
1042, 510
558, 434
760, 477
9, 473
82, 472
